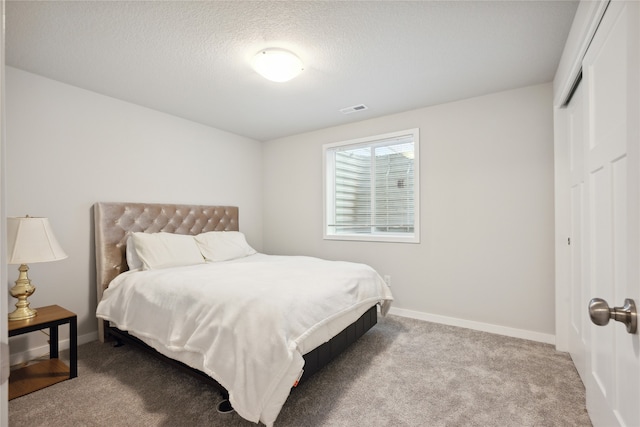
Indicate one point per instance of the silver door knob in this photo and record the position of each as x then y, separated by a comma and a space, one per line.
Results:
600, 313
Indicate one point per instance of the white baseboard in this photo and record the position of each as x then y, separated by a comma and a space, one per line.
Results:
478, 326
36, 352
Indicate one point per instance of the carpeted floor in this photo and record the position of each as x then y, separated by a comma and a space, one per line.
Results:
403, 372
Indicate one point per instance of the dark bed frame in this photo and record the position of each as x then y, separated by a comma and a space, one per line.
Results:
114, 221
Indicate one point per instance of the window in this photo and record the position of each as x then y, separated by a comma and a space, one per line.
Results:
372, 188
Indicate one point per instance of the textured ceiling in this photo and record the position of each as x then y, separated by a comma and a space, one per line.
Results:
191, 59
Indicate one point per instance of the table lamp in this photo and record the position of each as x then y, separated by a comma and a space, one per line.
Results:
29, 240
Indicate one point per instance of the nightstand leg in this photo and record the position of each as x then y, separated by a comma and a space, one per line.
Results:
53, 342
73, 347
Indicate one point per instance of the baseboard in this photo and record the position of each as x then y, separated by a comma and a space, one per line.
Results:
478, 326
36, 352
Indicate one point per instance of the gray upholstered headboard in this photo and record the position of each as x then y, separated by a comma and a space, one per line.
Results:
113, 222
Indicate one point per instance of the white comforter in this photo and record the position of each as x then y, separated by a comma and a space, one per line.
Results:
244, 322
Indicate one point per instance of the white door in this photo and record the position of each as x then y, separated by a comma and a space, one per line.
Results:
611, 85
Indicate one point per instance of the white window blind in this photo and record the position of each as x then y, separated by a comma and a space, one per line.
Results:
371, 188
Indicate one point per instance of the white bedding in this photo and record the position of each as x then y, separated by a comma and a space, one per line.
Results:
245, 322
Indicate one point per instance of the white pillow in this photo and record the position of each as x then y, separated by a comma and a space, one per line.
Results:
133, 260
162, 250
223, 245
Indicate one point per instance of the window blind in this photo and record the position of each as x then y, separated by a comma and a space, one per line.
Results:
373, 185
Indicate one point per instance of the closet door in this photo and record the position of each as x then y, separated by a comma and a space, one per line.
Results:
578, 293
611, 78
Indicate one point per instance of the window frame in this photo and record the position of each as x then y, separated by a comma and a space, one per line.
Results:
328, 189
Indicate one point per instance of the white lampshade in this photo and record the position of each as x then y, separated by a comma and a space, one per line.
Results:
31, 240
278, 65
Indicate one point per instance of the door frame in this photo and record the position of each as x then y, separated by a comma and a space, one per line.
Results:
4, 338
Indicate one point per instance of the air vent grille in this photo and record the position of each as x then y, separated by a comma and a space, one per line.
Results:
354, 109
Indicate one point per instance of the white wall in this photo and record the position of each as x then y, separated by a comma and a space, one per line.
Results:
68, 148
486, 257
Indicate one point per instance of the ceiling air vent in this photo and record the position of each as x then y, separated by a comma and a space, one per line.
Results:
353, 109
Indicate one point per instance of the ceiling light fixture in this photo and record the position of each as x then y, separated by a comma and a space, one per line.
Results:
278, 65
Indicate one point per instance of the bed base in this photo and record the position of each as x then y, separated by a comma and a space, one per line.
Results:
319, 357
313, 361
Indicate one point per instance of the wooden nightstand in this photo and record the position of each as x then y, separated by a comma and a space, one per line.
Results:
48, 372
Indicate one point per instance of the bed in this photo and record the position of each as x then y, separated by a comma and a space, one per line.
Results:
253, 325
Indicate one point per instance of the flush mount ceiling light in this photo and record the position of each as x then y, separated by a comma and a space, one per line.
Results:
277, 65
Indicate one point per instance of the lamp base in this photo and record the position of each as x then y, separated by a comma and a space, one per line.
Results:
22, 290
22, 313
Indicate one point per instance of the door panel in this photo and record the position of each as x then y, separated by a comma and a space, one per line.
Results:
600, 260
610, 70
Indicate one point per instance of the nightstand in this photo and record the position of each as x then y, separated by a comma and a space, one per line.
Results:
48, 372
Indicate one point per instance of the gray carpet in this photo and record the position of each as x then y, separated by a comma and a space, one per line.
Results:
403, 372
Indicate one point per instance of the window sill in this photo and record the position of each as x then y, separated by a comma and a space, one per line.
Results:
373, 238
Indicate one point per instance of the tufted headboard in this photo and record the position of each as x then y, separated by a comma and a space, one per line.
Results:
113, 222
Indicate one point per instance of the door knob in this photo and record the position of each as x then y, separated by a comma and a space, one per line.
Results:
600, 313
